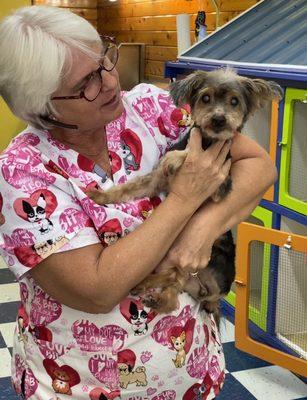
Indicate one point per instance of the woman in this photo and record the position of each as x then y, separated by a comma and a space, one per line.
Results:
80, 332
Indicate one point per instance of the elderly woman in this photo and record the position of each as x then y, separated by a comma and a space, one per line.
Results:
80, 333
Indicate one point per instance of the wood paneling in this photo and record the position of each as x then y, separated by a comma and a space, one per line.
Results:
161, 53
157, 23
161, 38
153, 22
69, 3
175, 6
85, 8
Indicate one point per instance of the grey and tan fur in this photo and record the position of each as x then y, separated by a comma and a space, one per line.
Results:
221, 102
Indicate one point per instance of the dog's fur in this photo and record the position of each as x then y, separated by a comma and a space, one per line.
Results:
221, 101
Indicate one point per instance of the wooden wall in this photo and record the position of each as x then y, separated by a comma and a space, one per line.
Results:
153, 22
85, 8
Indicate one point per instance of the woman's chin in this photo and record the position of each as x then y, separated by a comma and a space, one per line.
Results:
114, 113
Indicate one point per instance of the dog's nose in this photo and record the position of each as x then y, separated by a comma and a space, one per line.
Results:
218, 121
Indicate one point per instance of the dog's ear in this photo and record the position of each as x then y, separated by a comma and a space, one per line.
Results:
173, 339
183, 91
133, 308
182, 336
257, 91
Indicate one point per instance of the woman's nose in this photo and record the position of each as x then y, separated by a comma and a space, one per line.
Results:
109, 81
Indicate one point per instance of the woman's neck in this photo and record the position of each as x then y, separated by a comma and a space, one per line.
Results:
91, 144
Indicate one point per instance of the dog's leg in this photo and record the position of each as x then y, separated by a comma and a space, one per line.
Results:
223, 190
159, 280
148, 185
166, 300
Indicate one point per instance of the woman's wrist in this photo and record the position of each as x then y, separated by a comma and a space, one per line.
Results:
211, 220
188, 206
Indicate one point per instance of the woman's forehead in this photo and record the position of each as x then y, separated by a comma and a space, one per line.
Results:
81, 65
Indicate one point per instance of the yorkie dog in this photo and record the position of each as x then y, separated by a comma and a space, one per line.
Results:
221, 101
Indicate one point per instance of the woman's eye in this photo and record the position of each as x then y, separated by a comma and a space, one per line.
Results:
234, 101
206, 98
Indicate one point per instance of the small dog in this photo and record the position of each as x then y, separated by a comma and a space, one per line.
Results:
221, 102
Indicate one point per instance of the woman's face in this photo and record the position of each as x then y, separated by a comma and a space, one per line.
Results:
88, 115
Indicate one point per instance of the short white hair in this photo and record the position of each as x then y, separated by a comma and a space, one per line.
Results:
36, 45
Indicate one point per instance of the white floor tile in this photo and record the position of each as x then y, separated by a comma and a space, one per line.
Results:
272, 383
2, 263
227, 330
5, 363
7, 332
9, 292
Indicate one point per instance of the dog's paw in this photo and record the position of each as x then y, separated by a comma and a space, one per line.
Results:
137, 290
152, 301
223, 190
211, 307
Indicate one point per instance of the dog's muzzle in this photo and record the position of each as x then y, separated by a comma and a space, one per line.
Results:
218, 122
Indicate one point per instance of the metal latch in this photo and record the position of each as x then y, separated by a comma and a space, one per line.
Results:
305, 100
239, 282
288, 244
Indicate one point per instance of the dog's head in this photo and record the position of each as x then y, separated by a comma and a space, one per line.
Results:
138, 316
221, 101
124, 369
179, 342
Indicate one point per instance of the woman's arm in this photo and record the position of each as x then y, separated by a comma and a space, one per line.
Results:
252, 174
94, 279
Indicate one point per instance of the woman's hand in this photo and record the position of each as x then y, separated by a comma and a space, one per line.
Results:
192, 249
202, 172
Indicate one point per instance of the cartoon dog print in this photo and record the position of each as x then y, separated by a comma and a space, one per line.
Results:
63, 377
126, 363
179, 345
139, 317
131, 150
37, 214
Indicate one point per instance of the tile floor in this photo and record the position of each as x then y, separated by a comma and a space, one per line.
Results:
248, 378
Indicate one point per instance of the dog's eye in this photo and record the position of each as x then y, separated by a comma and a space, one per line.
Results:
234, 101
206, 98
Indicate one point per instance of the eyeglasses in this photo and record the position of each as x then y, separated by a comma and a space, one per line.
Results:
93, 84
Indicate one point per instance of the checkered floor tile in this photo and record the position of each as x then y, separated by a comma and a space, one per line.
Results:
248, 378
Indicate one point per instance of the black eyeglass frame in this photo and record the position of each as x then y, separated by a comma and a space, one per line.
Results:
111, 42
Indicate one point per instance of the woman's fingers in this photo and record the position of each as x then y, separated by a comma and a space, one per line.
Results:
195, 145
219, 150
223, 153
226, 167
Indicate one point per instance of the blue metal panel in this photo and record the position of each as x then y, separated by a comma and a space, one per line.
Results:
273, 32
290, 78
287, 212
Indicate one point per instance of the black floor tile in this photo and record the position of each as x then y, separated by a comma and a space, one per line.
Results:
8, 311
6, 276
